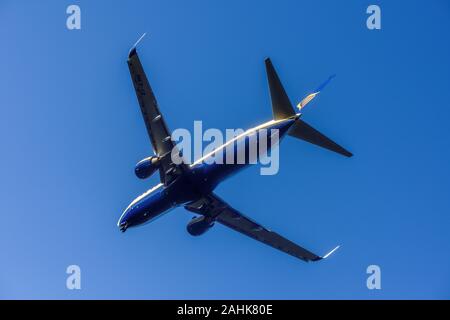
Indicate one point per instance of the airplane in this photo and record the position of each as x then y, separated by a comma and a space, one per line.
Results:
192, 185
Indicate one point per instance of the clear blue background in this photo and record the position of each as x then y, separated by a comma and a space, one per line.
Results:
71, 132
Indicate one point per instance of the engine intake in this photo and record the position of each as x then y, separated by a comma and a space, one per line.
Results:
199, 225
146, 167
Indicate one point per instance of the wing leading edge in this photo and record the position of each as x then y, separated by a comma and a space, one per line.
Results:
223, 213
157, 129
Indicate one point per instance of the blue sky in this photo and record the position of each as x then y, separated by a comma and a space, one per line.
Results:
71, 133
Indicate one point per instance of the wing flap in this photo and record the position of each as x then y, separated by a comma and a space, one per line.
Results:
246, 226
223, 213
157, 130
154, 122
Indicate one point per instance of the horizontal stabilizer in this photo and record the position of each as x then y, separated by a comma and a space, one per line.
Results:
304, 131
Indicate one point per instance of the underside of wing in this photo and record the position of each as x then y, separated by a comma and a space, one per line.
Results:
223, 213
157, 130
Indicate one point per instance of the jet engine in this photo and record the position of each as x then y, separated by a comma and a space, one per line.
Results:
146, 167
199, 225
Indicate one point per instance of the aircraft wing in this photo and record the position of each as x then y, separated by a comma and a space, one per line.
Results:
223, 213
157, 130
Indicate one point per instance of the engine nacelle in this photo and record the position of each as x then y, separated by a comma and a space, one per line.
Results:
146, 167
199, 225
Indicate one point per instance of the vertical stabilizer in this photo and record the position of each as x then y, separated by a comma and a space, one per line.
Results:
281, 105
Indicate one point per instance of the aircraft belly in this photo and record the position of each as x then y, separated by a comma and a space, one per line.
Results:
153, 207
238, 155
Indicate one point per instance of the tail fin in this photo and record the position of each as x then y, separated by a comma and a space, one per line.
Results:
304, 131
282, 109
281, 105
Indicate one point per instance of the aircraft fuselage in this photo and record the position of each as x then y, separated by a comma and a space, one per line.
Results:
206, 173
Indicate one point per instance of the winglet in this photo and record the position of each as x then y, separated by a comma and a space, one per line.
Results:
329, 253
133, 48
318, 258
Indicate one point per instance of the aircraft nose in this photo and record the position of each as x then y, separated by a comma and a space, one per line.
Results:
123, 221
123, 226
132, 215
